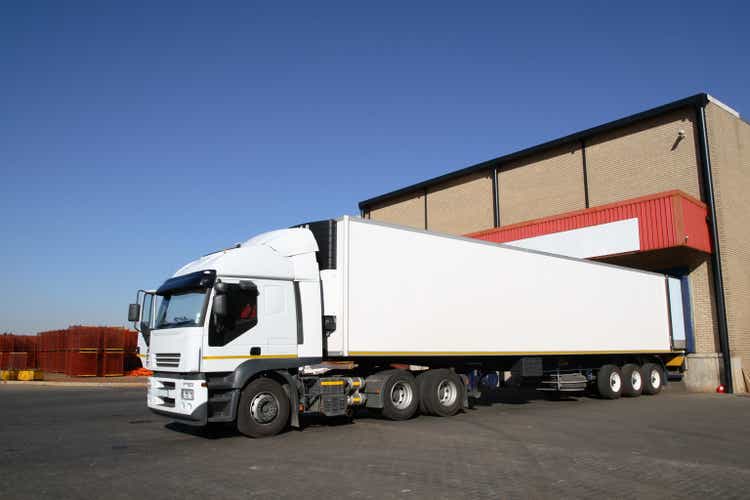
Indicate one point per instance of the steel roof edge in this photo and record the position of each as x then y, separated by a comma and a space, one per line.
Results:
697, 100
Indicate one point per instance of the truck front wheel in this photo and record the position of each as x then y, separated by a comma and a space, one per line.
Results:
263, 410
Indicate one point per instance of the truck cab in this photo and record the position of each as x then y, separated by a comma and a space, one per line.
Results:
229, 315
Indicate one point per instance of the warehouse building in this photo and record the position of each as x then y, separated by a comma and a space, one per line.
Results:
663, 190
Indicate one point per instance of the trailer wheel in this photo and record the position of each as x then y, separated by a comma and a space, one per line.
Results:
609, 382
263, 410
442, 393
653, 378
400, 396
632, 380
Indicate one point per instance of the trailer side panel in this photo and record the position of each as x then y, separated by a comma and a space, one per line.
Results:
409, 292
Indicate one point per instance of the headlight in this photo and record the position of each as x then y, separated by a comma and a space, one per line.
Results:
187, 394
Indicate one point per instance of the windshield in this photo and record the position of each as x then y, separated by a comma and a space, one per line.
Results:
181, 309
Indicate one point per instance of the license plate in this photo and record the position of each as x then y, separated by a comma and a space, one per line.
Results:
162, 393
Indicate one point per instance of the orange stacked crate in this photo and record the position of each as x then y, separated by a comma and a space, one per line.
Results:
60, 347
18, 361
43, 354
83, 345
132, 361
46, 341
6, 347
47, 350
26, 344
113, 352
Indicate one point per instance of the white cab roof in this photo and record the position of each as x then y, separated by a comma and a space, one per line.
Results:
265, 255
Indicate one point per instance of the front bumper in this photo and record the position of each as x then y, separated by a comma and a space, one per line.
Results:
165, 397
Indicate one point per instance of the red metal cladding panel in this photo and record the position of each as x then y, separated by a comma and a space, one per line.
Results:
664, 220
696, 233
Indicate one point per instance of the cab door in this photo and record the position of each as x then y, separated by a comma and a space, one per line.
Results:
259, 321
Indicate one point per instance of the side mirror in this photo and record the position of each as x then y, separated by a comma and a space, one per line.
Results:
221, 306
134, 312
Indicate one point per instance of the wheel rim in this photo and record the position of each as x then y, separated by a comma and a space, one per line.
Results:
635, 380
264, 407
401, 395
615, 383
447, 392
655, 378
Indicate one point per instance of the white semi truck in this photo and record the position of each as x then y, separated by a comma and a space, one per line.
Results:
335, 315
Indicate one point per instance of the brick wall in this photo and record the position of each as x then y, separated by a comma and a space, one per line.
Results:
407, 211
461, 206
705, 327
541, 185
644, 158
729, 147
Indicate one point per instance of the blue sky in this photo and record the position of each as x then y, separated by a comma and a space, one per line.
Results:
136, 136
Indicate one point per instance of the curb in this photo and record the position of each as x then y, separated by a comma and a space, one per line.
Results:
74, 384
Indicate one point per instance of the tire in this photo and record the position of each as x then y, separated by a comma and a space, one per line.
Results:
263, 409
609, 382
442, 393
632, 381
400, 396
653, 378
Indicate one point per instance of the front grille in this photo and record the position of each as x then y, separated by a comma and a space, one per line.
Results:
168, 360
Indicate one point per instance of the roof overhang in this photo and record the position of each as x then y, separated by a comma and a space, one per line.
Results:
658, 221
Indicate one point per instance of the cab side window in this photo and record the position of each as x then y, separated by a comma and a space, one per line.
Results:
242, 315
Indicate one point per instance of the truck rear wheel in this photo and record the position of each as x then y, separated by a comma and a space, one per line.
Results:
632, 380
400, 396
609, 382
653, 378
263, 410
441, 393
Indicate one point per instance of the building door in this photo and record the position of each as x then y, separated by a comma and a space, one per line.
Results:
681, 309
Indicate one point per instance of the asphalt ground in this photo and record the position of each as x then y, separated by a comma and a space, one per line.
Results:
71, 442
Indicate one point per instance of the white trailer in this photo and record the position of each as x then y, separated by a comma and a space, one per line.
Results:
339, 314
